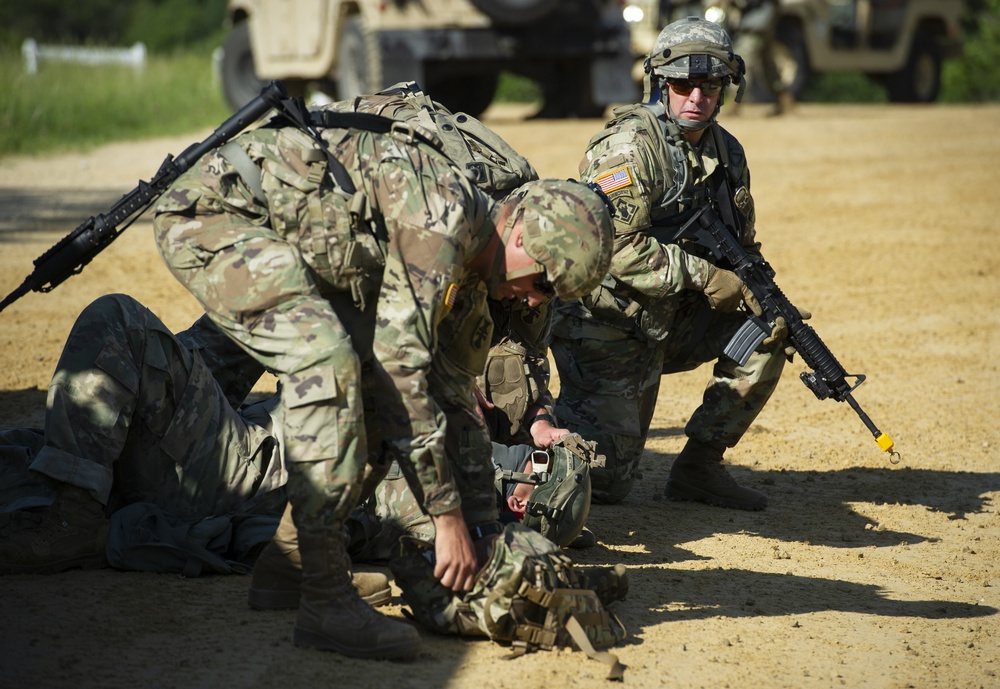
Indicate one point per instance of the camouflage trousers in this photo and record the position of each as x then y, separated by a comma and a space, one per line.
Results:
135, 416
394, 509
258, 289
609, 377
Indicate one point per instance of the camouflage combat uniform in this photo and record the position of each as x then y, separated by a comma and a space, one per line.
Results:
136, 414
649, 316
294, 278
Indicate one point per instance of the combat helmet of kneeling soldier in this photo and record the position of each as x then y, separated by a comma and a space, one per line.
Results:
692, 48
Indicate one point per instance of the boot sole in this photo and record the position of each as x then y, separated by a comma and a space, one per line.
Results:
95, 561
279, 599
401, 649
687, 493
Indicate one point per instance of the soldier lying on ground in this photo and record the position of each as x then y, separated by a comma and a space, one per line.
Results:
143, 379
144, 427
165, 423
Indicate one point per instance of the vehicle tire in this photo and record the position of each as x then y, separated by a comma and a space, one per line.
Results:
920, 80
470, 94
513, 12
359, 68
240, 83
567, 93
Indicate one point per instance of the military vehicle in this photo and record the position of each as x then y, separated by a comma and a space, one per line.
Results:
577, 50
899, 44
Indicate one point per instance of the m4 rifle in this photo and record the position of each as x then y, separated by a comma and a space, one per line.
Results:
79, 247
827, 378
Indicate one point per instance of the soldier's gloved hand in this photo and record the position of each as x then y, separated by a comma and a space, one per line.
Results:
725, 291
779, 333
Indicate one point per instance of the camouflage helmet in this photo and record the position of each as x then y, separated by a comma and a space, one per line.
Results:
559, 504
567, 230
694, 47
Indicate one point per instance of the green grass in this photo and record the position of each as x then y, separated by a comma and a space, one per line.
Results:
79, 106
514, 88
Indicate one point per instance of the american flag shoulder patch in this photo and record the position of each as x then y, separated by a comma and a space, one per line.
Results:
451, 295
614, 180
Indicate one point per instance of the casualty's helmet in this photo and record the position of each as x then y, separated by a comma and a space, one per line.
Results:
567, 230
693, 48
559, 504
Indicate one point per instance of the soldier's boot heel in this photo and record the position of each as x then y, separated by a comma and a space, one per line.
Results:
276, 583
70, 533
698, 475
332, 616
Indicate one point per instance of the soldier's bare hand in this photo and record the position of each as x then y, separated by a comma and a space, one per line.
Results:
543, 434
455, 558
482, 404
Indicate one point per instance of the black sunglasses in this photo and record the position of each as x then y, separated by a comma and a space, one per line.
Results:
684, 87
543, 286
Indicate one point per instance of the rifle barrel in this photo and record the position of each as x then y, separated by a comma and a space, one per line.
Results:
70, 254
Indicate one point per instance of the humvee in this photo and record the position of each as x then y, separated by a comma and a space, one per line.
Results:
899, 44
577, 50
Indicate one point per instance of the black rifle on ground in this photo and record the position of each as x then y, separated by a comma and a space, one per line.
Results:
827, 378
75, 250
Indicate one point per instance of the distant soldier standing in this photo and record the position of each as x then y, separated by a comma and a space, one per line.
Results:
665, 307
755, 40
332, 256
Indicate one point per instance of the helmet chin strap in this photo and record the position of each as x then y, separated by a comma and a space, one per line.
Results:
691, 125
495, 277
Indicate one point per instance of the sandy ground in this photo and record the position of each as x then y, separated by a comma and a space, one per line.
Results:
880, 220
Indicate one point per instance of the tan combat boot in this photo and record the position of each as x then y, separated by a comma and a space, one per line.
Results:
698, 475
785, 103
332, 617
72, 532
277, 574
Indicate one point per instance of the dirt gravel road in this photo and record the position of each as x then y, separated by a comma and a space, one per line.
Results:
880, 220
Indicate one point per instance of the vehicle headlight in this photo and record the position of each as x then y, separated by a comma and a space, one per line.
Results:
633, 14
715, 14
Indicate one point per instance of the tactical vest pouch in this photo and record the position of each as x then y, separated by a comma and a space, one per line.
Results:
328, 228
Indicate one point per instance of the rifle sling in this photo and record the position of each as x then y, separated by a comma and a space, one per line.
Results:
731, 217
244, 166
306, 120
